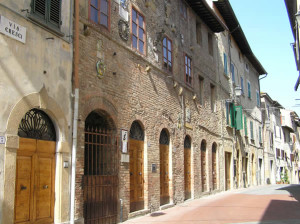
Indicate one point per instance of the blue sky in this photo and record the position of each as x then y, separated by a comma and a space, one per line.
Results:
268, 31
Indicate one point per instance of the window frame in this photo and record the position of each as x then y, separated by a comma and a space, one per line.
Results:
45, 20
99, 14
199, 33
232, 72
257, 98
163, 57
242, 86
144, 33
183, 10
249, 89
190, 84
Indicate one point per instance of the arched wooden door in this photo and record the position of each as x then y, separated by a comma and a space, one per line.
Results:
203, 166
136, 150
35, 171
100, 180
214, 166
164, 167
187, 168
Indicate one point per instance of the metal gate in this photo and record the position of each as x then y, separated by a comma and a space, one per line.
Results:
100, 180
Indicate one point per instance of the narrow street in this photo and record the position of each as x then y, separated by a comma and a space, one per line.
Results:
278, 204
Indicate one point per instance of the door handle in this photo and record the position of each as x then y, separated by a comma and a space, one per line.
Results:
23, 187
131, 173
45, 186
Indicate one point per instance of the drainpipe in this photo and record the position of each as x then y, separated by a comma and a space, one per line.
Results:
76, 99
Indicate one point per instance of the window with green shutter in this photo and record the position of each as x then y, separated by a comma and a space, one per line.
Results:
47, 13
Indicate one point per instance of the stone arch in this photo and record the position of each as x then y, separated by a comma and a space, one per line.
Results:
42, 102
48, 105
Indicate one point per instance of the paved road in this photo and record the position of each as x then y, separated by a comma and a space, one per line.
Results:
272, 204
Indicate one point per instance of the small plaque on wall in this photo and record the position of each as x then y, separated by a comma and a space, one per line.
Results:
154, 168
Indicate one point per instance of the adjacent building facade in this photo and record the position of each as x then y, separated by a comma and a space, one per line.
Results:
35, 120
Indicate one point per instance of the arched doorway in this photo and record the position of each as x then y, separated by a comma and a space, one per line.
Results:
203, 166
35, 170
100, 180
164, 167
214, 165
136, 150
187, 168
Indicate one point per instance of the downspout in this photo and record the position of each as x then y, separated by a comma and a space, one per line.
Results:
76, 99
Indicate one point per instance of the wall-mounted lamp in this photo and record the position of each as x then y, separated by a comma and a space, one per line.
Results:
238, 91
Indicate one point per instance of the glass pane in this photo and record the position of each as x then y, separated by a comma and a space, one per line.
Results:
133, 15
141, 21
186, 70
190, 73
94, 3
141, 46
189, 62
134, 27
134, 42
104, 6
169, 45
186, 60
165, 42
141, 33
165, 52
169, 56
94, 15
170, 67
104, 20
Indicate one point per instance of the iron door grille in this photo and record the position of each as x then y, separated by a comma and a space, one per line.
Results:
100, 180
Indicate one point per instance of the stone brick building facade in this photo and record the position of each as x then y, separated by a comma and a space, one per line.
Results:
154, 71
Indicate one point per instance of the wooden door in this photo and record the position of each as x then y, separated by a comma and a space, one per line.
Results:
203, 170
214, 169
136, 150
164, 174
227, 169
187, 173
35, 176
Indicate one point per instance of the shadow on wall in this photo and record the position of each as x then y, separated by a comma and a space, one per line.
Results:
283, 209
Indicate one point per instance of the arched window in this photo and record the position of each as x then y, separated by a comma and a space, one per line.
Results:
136, 131
37, 125
164, 137
187, 142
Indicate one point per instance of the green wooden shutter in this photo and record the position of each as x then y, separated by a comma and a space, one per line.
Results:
238, 117
232, 115
39, 8
245, 124
54, 12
